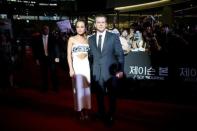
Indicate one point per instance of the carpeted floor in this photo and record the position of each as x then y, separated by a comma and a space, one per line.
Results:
27, 109
30, 110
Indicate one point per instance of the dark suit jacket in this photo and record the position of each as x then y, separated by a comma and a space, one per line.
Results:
38, 48
104, 65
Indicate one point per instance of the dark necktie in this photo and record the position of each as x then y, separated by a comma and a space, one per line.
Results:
99, 42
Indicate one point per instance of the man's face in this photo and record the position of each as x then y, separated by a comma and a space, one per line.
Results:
165, 30
148, 29
45, 30
101, 24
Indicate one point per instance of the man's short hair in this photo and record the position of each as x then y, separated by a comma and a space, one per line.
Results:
101, 15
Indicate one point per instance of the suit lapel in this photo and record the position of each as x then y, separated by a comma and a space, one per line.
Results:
105, 42
41, 43
95, 43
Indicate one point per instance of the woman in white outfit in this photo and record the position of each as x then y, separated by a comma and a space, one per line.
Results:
79, 69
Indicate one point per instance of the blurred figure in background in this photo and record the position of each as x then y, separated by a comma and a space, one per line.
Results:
46, 53
138, 44
7, 59
125, 41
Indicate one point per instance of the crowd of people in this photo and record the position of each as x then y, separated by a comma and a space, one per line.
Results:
96, 60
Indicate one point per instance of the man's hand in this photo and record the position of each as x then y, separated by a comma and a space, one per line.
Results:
37, 62
57, 60
119, 75
12, 58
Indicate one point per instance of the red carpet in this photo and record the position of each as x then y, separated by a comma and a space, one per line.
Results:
30, 110
27, 109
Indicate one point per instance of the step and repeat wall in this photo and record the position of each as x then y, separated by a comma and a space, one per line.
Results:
139, 66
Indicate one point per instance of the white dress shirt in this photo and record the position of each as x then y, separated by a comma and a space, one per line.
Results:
45, 44
103, 38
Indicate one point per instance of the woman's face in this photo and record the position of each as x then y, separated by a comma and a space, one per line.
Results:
125, 33
80, 28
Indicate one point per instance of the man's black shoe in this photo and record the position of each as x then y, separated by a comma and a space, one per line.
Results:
110, 121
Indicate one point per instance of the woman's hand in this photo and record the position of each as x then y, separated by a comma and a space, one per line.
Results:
72, 73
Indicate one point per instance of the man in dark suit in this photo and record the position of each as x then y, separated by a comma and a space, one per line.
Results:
46, 54
107, 63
